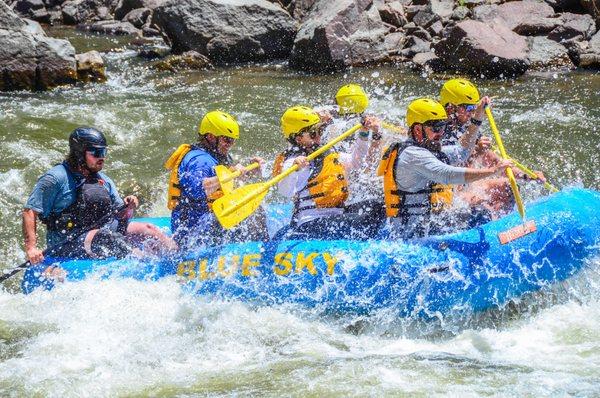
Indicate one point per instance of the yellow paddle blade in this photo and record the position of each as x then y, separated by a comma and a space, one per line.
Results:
234, 207
225, 180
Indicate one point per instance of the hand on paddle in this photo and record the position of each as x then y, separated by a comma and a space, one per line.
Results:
258, 170
503, 164
34, 255
132, 202
246, 171
480, 110
371, 123
301, 162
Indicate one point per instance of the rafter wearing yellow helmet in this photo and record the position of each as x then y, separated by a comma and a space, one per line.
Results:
351, 99
298, 119
194, 185
466, 111
418, 174
219, 124
458, 92
319, 189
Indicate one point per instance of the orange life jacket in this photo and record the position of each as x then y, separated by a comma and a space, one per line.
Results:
440, 195
327, 185
174, 190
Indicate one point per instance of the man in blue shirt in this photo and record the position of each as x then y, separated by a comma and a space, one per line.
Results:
78, 204
194, 186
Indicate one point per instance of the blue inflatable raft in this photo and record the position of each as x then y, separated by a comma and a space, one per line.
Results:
465, 271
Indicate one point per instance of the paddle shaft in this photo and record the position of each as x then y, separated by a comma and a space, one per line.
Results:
509, 172
267, 185
237, 173
394, 128
8, 273
529, 172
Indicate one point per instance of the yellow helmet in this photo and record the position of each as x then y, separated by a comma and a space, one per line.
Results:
424, 110
351, 98
458, 92
297, 118
219, 124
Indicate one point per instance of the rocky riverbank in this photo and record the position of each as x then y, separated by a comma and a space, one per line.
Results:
490, 38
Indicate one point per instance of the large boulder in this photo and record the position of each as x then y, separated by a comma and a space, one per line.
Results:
29, 59
590, 58
126, 6
513, 13
227, 30
573, 26
545, 53
34, 9
338, 34
488, 49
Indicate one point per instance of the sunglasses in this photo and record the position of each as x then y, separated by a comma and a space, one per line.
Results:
469, 108
97, 152
437, 127
314, 131
228, 140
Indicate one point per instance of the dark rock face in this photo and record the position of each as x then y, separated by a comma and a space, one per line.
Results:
227, 30
572, 26
488, 49
536, 26
544, 53
126, 6
590, 57
75, 12
34, 9
29, 59
338, 34
593, 8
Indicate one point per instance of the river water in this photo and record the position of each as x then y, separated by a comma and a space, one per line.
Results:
130, 338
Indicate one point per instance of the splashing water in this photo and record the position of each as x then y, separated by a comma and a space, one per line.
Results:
125, 337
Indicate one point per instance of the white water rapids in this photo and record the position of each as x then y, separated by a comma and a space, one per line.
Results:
130, 338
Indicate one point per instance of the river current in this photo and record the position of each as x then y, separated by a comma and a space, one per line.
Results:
131, 338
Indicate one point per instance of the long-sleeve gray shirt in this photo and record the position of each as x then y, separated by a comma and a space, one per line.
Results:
416, 169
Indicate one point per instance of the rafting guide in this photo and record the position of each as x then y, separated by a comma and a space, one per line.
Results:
75, 201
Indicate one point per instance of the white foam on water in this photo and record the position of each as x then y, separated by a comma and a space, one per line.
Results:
123, 337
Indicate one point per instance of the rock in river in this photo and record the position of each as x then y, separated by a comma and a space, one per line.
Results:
29, 59
227, 31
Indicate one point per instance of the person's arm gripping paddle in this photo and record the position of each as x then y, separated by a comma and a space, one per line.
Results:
233, 208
